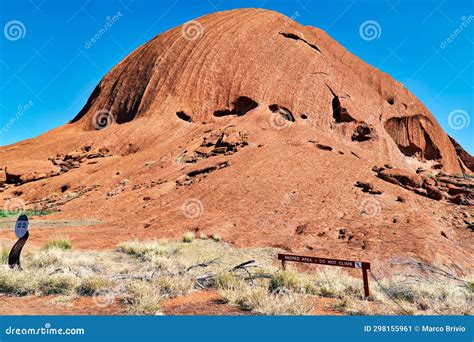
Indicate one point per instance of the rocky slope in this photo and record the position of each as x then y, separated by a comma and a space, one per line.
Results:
249, 125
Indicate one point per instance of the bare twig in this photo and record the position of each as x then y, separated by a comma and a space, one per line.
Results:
242, 265
203, 264
388, 294
427, 268
200, 281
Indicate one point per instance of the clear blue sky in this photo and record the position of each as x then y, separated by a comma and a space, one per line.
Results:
47, 73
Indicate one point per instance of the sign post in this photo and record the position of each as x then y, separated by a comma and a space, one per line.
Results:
364, 266
21, 232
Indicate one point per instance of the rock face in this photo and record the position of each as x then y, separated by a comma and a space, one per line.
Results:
248, 125
456, 190
402, 177
244, 59
465, 158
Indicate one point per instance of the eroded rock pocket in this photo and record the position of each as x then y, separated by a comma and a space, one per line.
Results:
285, 113
183, 116
412, 138
199, 174
241, 106
363, 132
296, 37
225, 141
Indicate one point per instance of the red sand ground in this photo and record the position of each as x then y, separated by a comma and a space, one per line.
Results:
197, 303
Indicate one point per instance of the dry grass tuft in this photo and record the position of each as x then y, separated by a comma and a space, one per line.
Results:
140, 249
4, 255
93, 284
58, 242
173, 286
142, 299
56, 284
188, 237
17, 283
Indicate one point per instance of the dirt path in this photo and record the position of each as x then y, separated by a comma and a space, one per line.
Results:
197, 303
210, 303
51, 305
201, 303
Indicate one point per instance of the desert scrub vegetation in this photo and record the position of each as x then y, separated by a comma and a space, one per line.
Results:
216, 237
140, 275
58, 242
188, 237
30, 212
4, 255
146, 249
142, 299
93, 284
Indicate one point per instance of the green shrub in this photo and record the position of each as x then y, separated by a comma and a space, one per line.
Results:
141, 248
29, 212
283, 280
58, 242
56, 284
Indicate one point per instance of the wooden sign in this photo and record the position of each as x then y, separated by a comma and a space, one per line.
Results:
364, 266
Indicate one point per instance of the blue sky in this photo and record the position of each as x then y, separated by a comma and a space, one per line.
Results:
47, 69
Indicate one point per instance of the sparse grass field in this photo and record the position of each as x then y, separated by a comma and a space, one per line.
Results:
141, 275
29, 212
